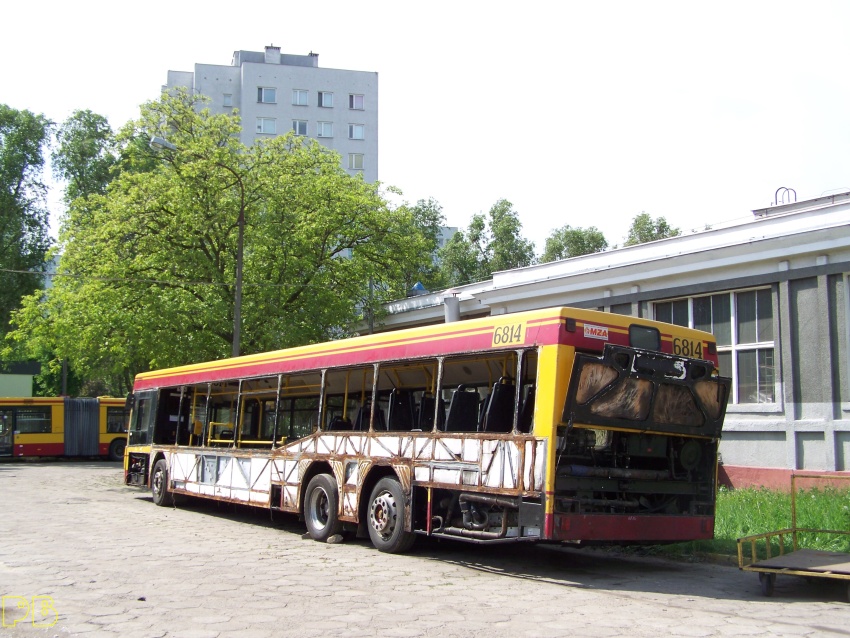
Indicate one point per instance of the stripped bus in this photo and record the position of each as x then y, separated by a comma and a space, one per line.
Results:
558, 425
63, 426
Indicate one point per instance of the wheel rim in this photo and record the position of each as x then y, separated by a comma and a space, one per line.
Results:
319, 508
157, 482
383, 514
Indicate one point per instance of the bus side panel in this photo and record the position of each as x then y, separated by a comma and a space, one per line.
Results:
43, 443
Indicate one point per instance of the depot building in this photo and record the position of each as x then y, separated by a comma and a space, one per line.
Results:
772, 288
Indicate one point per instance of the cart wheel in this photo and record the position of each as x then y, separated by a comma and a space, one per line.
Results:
767, 581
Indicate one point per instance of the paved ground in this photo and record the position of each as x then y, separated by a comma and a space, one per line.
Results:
113, 564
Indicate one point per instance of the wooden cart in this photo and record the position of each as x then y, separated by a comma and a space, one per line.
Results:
792, 559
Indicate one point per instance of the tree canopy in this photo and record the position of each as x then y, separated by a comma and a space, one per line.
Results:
644, 229
85, 154
566, 242
489, 244
24, 238
148, 265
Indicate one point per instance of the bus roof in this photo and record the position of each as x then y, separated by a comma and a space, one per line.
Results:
500, 332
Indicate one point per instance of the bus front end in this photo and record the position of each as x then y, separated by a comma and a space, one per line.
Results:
636, 458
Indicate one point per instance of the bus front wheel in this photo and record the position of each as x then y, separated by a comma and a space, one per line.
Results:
386, 518
321, 508
159, 484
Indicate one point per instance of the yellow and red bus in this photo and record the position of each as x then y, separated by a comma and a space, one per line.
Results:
559, 425
63, 426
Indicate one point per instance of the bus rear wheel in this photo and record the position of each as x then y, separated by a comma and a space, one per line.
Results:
321, 508
386, 518
159, 484
116, 449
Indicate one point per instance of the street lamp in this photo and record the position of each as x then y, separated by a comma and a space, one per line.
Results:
159, 144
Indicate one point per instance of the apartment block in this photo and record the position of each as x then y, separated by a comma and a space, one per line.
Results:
275, 93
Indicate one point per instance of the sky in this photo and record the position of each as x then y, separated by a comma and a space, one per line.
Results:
581, 113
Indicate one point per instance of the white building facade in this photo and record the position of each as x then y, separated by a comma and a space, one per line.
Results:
276, 93
774, 291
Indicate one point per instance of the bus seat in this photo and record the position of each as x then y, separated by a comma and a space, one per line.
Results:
499, 416
400, 411
226, 435
463, 411
425, 416
361, 423
526, 415
339, 423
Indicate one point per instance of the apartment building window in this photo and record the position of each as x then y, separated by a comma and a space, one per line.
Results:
326, 99
355, 161
299, 97
299, 127
266, 95
356, 132
325, 129
742, 322
355, 101
228, 99
266, 125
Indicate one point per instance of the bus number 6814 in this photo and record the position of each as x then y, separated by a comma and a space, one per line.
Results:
687, 348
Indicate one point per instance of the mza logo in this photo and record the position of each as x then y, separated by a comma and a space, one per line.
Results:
39, 610
595, 332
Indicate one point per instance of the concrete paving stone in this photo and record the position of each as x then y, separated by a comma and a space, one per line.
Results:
209, 620
194, 633
248, 633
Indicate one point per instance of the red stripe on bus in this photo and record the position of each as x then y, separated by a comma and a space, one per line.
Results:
627, 527
39, 449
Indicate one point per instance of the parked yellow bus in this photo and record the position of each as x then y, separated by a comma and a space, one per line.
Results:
63, 426
561, 425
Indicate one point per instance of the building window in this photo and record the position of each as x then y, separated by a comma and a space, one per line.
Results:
228, 99
325, 129
266, 95
355, 101
742, 322
266, 125
356, 132
299, 127
355, 161
299, 97
326, 99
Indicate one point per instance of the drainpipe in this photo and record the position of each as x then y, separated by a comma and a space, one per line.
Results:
452, 307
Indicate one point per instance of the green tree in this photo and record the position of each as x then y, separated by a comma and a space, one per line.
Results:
490, 244
85, 154
566, 242
24, 236
148, 268
426, 219
645, 229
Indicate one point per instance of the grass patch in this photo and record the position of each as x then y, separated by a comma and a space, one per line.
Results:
749, 511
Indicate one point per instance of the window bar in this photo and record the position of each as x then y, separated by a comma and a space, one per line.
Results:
376, 371
517, 387
322, 400
179, 415
238, 416
276, 411
438, 392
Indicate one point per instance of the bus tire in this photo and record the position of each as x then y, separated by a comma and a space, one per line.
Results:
116, 449
386, 518
159, 484
321, 508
